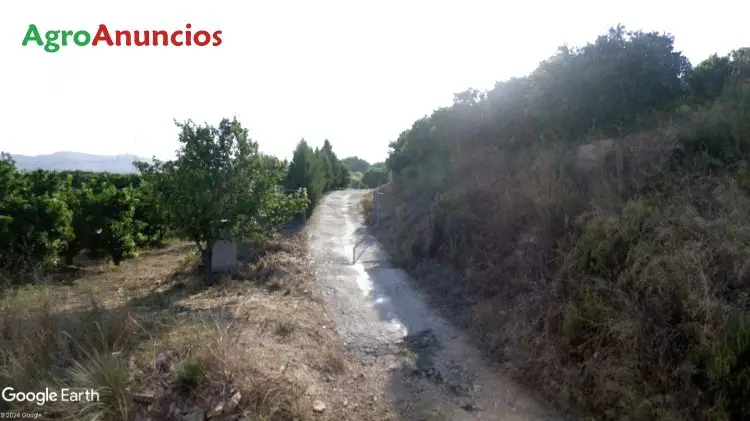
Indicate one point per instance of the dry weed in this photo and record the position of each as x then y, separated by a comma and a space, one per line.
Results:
611, 287
150, 327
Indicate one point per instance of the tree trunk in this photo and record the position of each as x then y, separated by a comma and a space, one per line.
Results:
206, 258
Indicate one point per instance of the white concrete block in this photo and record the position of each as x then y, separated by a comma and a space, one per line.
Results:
224, 256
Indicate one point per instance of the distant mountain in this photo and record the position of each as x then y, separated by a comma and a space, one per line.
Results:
77, 161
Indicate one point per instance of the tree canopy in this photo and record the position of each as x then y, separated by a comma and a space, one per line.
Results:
356, 164
220, 186
317, 171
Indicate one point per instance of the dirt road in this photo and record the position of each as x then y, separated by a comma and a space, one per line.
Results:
426, 368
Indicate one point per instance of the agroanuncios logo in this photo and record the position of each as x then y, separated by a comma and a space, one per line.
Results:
54, 40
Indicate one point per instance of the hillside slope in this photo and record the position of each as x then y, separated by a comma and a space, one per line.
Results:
597, 223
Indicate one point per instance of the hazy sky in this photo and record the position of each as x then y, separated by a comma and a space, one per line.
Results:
355, 72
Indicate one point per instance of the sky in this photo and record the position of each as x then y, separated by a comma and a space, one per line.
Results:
354, 72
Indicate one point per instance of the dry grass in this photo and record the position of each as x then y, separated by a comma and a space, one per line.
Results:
367, 206
613, 289
150, 327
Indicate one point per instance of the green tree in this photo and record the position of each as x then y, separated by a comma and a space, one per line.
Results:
150, 215
335, 172
328, 162
219, 184
343, 176
35, 221
110, 212
305, 172
82, 230
706, 81
356, 164
374, 177
605, 88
